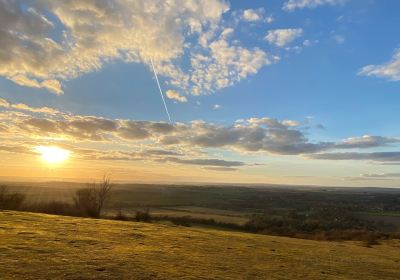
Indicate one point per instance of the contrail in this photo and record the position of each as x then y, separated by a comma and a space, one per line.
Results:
161, 93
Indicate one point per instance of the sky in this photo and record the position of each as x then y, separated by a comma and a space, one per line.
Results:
300, 92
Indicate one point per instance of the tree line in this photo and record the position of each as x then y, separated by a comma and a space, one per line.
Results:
87, 202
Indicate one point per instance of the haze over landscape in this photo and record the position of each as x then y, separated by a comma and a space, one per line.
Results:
282, 92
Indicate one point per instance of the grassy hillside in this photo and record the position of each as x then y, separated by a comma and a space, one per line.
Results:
37, 246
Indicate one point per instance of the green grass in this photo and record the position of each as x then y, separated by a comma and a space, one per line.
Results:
38, 246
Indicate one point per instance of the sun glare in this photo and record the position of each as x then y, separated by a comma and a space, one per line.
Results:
53, 155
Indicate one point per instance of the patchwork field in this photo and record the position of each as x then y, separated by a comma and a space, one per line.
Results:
38, 246
224, 216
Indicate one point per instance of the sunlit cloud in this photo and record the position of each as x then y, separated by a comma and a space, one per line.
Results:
174, 95
256, 15
91, 34
180, 143
282, 37
389, 70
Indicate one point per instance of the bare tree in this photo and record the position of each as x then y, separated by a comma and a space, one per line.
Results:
90, 200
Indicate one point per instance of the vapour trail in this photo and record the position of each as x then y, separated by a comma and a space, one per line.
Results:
161, 93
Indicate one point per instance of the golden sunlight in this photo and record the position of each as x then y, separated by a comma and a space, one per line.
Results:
52, 154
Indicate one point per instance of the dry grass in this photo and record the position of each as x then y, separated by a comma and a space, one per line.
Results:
38, 246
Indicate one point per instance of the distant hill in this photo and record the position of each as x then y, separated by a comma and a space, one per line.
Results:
38, 246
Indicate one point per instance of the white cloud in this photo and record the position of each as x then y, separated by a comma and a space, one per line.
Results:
216, 106
339, 39
253, 15
269, 19
226, 33
291, 5
224, 64
389, 70
94, 32
256, 15
172, 94
282, 37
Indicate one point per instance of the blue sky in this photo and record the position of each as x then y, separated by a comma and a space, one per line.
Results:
328, 66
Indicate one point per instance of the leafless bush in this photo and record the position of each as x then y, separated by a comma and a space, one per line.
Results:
53, 207
90, 200
120, 216
143, 216
370, 239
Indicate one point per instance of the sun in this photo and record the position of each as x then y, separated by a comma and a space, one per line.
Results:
52, 154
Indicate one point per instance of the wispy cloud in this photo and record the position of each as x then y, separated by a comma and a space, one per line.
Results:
374, 177
373, 156
23, 107
292, 5
49, 84
220, 168
389, 70
367, 141
340, 39
380, 175
206, 162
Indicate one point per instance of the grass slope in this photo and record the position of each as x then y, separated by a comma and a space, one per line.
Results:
37, 246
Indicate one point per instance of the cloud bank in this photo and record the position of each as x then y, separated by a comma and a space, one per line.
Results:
181, 143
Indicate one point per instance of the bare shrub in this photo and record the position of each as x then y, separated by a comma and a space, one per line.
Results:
184, 221
90, 200
370, 239
143, 216
53, 207
10, 201
120, 216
